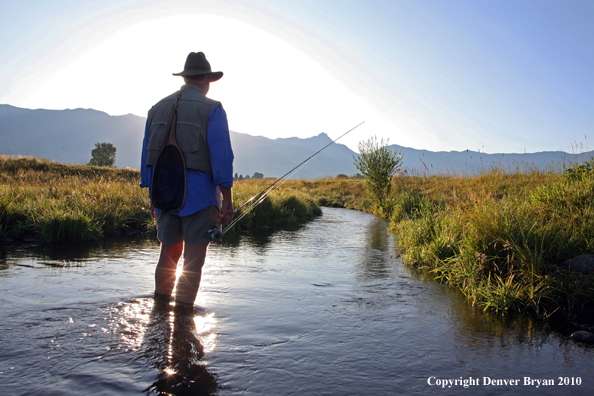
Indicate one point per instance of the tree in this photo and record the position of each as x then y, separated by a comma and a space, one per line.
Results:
103, 154
258, 175
378, 163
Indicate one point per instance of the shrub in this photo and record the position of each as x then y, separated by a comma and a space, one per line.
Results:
378, 163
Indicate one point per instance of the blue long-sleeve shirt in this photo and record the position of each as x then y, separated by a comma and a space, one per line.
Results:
202, 189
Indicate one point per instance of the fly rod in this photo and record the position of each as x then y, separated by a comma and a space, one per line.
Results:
217, 235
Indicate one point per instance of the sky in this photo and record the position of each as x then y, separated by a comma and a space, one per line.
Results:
499, 76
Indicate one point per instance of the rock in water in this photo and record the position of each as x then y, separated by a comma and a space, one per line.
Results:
583, 336
583, 264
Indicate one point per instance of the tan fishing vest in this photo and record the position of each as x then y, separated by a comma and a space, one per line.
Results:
192, 120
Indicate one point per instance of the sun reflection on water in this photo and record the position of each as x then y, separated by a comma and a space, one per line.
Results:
204, 330
128, 320
174, 344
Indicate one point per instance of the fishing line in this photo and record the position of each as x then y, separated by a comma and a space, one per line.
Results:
261, 198
217, 235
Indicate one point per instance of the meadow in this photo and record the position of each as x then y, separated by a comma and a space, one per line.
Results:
49, 202
497, 237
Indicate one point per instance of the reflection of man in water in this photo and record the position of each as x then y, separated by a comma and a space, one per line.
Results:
171, 346
203, 137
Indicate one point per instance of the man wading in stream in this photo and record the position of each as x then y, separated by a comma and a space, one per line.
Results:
197, 125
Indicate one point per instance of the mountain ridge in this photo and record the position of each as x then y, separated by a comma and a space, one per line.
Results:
69, 136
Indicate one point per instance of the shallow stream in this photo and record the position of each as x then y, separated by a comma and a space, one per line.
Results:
324, 310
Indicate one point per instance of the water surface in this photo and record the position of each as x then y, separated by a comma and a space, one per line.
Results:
324, 310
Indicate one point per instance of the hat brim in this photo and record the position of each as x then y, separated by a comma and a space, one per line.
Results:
214, 76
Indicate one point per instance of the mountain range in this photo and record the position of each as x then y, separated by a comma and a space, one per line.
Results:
68, 136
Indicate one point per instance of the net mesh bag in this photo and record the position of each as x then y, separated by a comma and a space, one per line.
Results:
169, 180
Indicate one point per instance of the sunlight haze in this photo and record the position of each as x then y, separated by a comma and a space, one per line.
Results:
439, 75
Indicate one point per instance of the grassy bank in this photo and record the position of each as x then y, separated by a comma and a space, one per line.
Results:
282, 209
497, 237
339, 192
51, 202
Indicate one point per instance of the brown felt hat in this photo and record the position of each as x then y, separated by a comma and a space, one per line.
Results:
197, 65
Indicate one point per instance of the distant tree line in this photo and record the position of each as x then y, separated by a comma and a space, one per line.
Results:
259, 175
256, 175
343, 176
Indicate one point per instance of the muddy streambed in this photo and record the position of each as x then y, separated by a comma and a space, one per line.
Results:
325, 310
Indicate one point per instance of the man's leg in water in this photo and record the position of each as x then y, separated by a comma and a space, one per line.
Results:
166, 268
189, 281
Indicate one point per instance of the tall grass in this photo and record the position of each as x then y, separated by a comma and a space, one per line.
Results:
338, 192
53, 202
499, 237
284, 208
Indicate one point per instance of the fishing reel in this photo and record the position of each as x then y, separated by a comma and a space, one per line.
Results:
215, 233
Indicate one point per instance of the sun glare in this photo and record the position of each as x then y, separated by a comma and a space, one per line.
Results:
270, 88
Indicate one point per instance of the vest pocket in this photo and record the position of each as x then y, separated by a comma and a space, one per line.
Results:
157, 139
188, 136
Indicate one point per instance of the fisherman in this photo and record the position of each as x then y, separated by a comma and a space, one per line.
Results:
202, 135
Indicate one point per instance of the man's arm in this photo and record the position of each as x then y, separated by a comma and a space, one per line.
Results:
221, 158
144, 172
